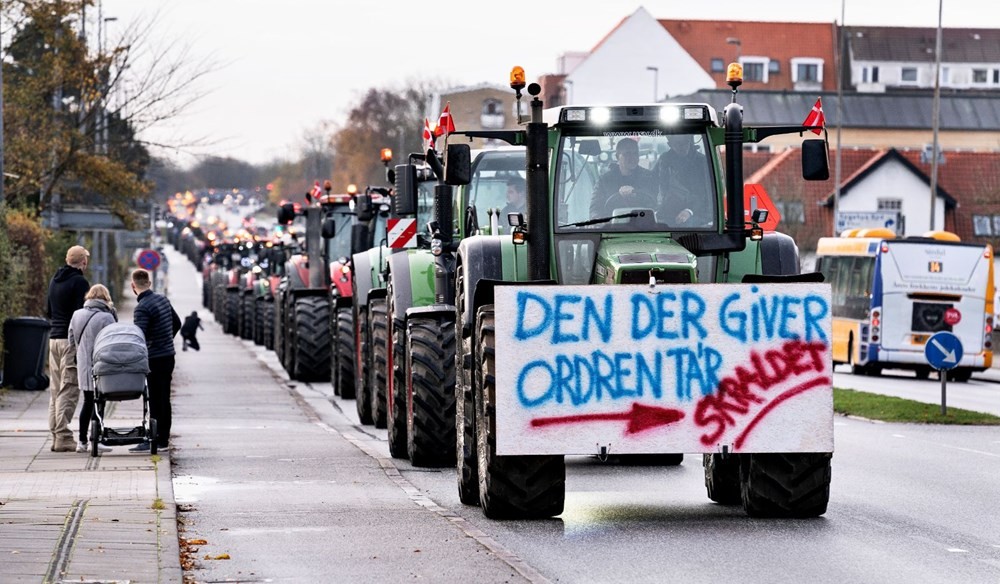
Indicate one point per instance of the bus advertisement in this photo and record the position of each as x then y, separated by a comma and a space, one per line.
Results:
890, 295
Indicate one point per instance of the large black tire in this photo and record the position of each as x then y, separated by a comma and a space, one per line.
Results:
247, 317
960, 374
343, 356
312, 339
397, 392
722, 478
268, 325
379, 322
467, 459
219, 303
206, 294
785, 485
430, 368
362, 356
259, 315
510, 487
231, 325
95, 437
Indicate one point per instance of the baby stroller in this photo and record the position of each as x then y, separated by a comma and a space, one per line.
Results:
121, 363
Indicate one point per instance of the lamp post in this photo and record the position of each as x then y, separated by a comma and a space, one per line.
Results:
656, 82
569, 91
936, 122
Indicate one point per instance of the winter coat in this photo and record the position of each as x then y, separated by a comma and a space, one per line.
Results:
66, 292
158, 321
83, 329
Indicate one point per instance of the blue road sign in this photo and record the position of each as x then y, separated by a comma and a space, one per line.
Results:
149, 259
943, 350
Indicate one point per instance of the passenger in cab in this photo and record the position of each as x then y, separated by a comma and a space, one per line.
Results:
684, 183
625, 185
515, 197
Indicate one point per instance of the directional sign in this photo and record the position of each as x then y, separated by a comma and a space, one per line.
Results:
149, 259
401, 233
943, 350
861, 219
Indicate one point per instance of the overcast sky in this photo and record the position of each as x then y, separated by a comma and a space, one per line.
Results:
286, 65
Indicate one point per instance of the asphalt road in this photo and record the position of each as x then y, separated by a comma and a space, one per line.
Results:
980, 394
279, 476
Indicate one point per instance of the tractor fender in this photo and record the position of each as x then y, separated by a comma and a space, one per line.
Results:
365, 263
339, 279
481, 259
779, 256
445, 310
412, 277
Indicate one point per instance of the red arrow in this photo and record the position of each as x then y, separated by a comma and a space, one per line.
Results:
639, 418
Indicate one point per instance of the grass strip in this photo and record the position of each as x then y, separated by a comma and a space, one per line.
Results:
894, 409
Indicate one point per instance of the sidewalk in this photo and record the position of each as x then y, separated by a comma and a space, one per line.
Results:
69, 517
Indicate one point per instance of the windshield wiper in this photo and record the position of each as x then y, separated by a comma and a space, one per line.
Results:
604, 219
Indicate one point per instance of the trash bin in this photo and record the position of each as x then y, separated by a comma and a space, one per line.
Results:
25, 350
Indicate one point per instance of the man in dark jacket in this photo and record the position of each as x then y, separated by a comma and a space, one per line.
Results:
624, 185
189, 331
159, 323
66, 292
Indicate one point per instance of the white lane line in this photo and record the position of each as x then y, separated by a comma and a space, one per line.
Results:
958, 550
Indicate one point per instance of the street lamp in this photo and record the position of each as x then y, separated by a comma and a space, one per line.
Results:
739, 46
569, 91
656, 82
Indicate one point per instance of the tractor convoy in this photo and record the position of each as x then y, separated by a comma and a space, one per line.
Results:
601, 286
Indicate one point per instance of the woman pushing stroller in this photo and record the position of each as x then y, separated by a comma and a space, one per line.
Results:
98, 312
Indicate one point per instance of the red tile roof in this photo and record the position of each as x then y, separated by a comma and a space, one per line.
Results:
705, 40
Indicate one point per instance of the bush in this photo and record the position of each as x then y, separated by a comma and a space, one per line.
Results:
29, 239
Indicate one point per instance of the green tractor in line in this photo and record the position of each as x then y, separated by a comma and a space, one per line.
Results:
605, 323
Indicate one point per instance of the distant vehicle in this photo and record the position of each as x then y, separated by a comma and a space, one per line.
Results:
890, 295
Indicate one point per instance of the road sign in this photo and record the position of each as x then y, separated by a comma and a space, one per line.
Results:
943, 350
402, 233
148, 259
861, 219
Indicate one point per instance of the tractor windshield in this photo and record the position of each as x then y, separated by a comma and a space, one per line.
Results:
632, 181
339, 246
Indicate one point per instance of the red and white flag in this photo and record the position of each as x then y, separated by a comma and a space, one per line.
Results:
317, 191
446, 125
427, 136
816, 117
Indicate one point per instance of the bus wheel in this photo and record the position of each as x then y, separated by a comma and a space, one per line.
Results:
960, 375
923, 372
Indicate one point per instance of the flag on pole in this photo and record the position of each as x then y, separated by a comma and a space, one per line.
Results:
816, 117
427, 136
317, 191
446, 125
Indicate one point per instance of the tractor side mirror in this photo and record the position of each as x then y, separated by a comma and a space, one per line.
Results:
404, 200
361, 238
329, 229
363, 206
458, 169
815, 160
286, 213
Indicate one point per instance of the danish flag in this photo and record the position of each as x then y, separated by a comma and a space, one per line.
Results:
816, 117
446, 125
317, 191
428, 135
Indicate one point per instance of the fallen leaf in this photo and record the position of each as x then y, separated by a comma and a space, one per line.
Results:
218, 557
196, 542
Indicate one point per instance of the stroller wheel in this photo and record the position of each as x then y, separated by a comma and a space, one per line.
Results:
95, 438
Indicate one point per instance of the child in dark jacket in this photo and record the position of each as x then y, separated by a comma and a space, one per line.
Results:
188, 331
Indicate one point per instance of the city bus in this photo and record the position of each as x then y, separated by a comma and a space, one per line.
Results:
890, 295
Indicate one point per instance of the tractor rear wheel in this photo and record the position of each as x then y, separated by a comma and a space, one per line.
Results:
311, 361
232, 312
343, 356
247, 320
379, 323
258, 321
785, 485
510, 487
268, 331
466, 459
430, 373
722, 478
363, 392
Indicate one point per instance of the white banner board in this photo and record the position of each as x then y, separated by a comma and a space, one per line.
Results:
671, 369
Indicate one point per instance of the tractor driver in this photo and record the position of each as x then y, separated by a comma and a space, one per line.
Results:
624, 185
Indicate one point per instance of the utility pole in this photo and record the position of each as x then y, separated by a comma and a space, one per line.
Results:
840, 116
656, 82
936, 115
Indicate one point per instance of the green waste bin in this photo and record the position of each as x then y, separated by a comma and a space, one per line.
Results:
25, 350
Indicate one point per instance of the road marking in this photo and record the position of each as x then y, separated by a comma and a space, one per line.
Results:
958, 550
898, 436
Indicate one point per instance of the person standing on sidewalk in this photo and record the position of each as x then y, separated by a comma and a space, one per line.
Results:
98, 312
159, 322
66, 295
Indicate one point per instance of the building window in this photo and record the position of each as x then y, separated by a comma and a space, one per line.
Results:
492, 117
869, 74
807, 70
791, 211
996, 225
718, 65
890, 204
755, 68
982, 225
774, 67
980, 75
996, 77
908, 75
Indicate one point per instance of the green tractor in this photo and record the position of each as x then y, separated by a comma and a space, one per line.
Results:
303, 299
638, 308
419, 316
